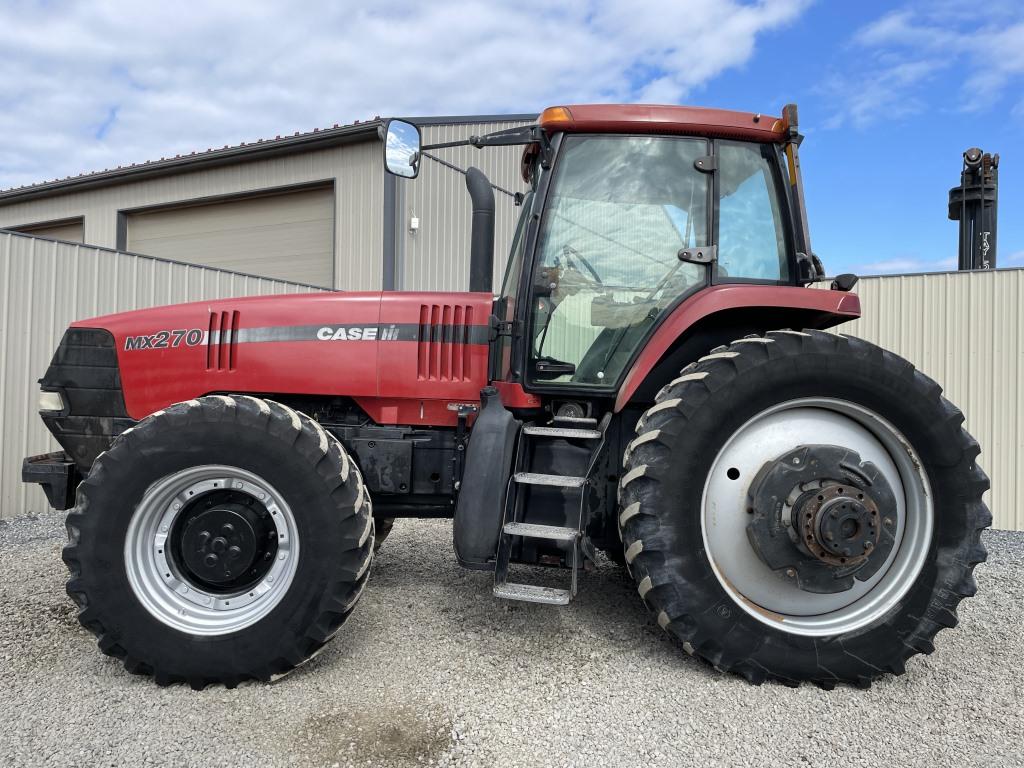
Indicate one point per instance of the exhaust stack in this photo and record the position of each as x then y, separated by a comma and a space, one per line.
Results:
481, 254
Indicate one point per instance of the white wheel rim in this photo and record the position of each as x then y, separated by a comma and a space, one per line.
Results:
768, 596
166, 592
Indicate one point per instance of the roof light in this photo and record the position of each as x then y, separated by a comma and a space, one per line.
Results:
554, 118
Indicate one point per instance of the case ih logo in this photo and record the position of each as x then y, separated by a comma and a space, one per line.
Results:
357, 333
192, 337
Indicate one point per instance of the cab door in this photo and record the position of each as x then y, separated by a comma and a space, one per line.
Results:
618, 214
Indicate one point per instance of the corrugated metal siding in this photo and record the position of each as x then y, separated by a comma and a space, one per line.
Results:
966, 331
359, 218
356, 170
436, 257
44, 286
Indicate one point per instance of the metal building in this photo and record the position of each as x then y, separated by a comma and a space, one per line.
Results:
314, 208
317, 209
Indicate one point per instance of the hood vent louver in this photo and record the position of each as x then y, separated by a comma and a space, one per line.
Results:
443, 351
222, 341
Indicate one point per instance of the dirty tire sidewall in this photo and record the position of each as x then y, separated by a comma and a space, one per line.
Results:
715, 397
303, 462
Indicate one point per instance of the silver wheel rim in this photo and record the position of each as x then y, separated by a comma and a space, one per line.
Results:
161, 587
769, 597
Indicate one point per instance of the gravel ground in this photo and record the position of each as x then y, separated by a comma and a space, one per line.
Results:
431, 670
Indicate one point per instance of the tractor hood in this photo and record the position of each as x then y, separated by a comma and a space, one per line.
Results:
406, 358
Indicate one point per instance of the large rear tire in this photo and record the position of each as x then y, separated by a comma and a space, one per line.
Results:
219, 540
689, 498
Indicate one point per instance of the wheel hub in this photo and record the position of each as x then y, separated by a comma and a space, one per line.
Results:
224, 540
218, 544
845, 529
822, 517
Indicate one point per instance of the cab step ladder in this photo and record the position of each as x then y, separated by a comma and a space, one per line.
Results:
569, 429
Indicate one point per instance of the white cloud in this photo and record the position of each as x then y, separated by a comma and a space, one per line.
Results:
887, 94
91, 85
893, 59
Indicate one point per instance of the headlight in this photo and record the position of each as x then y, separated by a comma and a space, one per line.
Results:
51, 401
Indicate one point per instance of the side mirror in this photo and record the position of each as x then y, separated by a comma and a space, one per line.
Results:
401, 148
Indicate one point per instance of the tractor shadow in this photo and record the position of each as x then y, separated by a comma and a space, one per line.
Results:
606, 617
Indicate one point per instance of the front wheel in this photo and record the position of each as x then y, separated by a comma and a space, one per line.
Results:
803, 506
221, 539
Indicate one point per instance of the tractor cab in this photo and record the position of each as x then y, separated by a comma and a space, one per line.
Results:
631, 210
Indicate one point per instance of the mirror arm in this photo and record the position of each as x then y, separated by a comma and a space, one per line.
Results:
446, 144
527, 134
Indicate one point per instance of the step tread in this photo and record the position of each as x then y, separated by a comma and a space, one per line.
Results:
532, 594
568, 432
575, 420
537, 531
536, 478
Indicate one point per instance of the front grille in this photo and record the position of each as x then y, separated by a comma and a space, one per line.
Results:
444, 335
84, 369
222, 341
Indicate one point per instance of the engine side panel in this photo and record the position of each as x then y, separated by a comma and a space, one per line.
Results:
405, 357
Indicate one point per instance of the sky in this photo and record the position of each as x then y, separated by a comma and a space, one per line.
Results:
890, 94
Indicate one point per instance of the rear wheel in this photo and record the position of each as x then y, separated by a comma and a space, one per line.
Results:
222, 539
803, 506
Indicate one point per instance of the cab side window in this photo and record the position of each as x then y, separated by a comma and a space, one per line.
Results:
751, 236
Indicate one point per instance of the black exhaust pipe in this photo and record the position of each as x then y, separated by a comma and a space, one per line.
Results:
481, 253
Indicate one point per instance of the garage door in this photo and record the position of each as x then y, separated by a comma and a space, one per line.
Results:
72, 230
288, 236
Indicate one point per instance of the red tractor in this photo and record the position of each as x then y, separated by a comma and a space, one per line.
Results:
654, 382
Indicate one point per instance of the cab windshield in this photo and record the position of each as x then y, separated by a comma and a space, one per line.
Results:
618, 213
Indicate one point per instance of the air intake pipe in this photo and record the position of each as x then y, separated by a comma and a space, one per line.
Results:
481, 253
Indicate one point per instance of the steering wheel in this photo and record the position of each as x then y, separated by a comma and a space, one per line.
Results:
571, 253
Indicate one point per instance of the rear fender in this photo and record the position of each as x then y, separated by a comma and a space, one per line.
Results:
720, 314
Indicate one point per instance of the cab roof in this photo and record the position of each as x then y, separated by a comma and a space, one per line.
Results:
654, 118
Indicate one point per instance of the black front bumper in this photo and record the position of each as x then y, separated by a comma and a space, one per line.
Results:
58, 475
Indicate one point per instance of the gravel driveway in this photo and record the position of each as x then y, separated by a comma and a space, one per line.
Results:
431, 670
